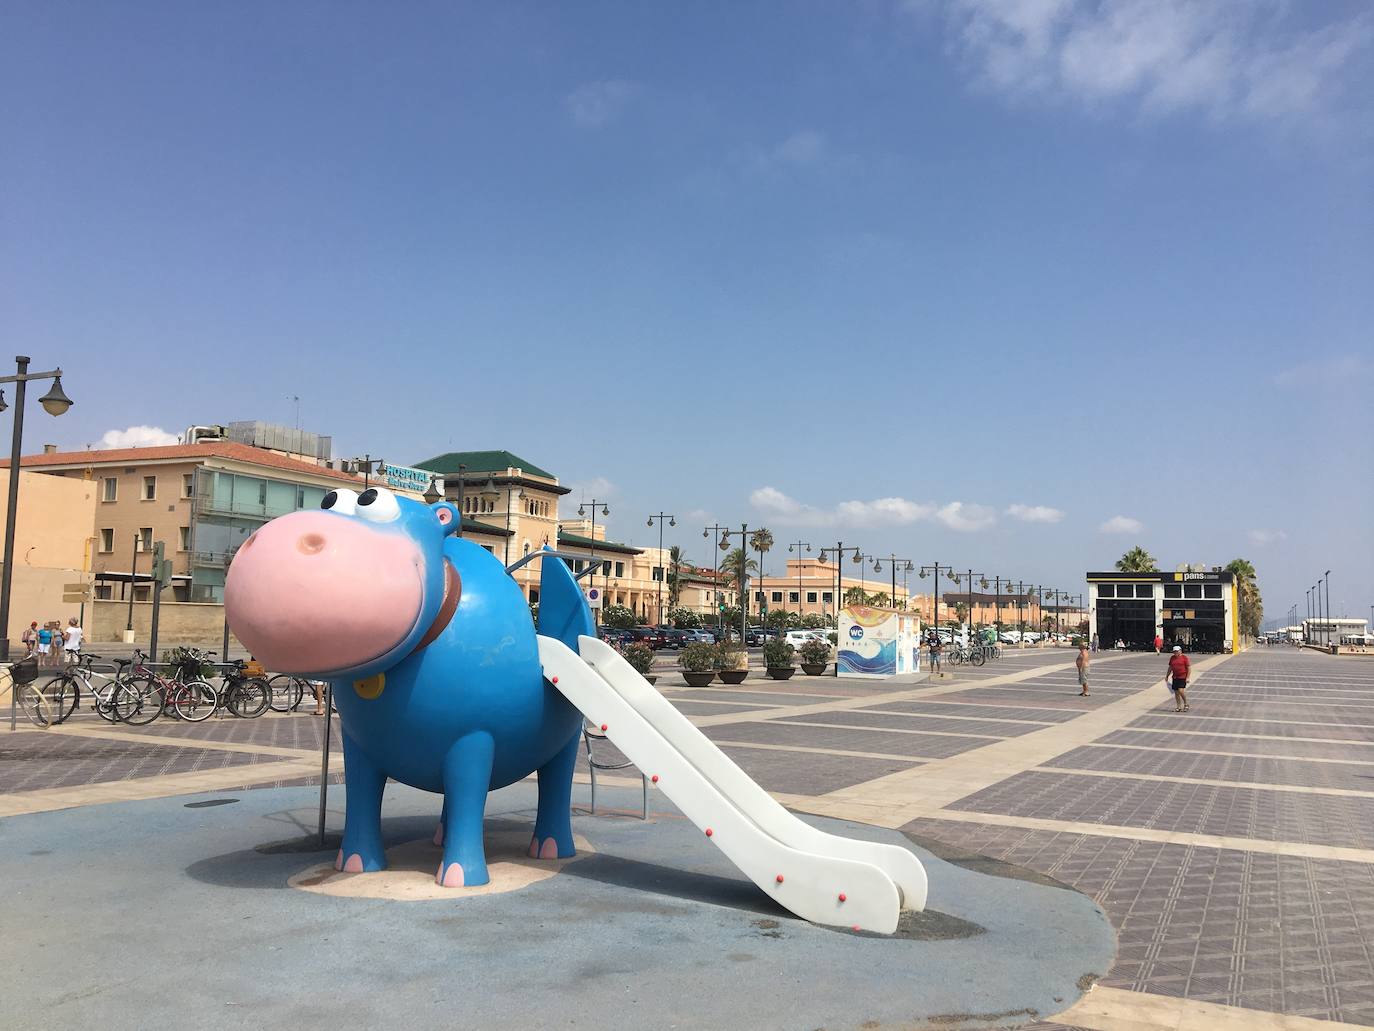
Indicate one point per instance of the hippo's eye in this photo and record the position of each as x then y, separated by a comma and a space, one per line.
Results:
378, 505
343, 501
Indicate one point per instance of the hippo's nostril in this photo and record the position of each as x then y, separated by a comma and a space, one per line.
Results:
311, 543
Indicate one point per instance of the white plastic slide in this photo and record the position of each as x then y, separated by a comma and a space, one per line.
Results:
820, 877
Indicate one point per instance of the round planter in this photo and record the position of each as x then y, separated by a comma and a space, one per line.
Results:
699, 679
781, 672
813, 669
733, 676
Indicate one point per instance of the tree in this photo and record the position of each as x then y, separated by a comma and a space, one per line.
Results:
782, 619
733, 564
1251, 613
761, 540
678, 568
881, 600
731, 616
684, 619
618, 616
960, 611
1137, 560
814, 621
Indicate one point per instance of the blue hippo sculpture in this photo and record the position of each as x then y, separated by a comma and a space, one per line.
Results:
431, 651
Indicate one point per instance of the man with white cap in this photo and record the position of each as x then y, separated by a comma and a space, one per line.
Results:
1177, 678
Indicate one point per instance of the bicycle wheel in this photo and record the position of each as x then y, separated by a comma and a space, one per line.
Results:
139, 700
195, 701
249, 698
60, 695
978, 657
34, 704
286, 692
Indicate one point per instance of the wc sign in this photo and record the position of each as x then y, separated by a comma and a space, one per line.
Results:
594, 597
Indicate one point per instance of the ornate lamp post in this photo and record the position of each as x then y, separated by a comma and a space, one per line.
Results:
797, 547
838, 551
935, 597
605, 511
663, 567
720, 601
893, 561
55, 403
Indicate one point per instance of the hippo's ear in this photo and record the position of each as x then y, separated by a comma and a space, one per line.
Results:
447, 515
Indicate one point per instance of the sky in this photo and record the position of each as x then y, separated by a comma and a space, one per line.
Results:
1004, 284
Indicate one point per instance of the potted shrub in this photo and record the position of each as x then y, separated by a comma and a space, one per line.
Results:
777, 659
732, 661
641, 657
698, 662
814, 655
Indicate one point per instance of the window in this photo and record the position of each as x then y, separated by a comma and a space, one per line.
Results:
188, 485
141, 593
828, 597
1144, 590
185, 542
489, 549
145, 538
1106, 590
578, 565
534, 595
150, 488
1173, 590
1192, 590
606, 568
811, 597
107, 539
620, 569
1211, 590
262, 492
793, 597
758, 597
300, 497
777, 596
111, 489
103, 592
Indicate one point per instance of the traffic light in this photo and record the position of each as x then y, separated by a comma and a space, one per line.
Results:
162, 567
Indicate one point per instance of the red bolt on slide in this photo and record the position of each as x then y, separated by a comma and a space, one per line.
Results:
779, 878
842, 896
555, 680
856, 927
654, 778
709, 832
604, 728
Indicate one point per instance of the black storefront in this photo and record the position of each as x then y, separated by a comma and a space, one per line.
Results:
1184, 608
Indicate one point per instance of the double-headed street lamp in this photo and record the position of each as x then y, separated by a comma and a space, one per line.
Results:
743, 575
720, 599
893, 562
797, 547
55, 403
970, 574
605, 511
663, 568
935, 595
838, 551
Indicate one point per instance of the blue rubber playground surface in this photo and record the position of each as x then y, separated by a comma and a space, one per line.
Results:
177, 913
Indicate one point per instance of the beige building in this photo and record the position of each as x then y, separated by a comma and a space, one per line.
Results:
52, 542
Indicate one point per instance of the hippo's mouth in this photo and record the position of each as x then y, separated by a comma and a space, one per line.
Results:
453, 590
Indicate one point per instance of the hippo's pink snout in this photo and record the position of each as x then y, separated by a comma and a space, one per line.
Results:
314, 593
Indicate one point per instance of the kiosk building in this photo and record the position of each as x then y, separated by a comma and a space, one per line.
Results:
1195, 610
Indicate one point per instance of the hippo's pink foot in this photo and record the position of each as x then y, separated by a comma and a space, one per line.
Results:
338, 860
354, 863
548, 850
450, 878
439, 835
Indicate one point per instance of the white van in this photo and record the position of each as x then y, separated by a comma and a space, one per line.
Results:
797, 638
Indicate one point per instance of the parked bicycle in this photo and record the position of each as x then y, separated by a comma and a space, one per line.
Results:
113, 697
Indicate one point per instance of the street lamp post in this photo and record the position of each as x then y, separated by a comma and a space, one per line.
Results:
839, 552
893, 562
663, 568
720, 614
797, 547
133, 578
971, 574
454, 490
605, 511
367, 463
1326, 578
935, 596
55, 403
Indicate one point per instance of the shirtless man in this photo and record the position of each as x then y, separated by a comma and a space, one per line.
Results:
1082, 663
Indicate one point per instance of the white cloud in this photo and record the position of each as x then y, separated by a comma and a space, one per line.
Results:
138, 436
597, 487
1241, 60
1323, 371
801, 148
1035, 513
966, 518
957, 515
594, 104
1121, 524
1262, 537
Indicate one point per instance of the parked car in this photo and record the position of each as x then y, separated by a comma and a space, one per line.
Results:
702, 636
797, 638
615, 637
674, 638
650, 635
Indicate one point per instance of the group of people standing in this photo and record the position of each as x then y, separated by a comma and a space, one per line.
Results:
53, 643
1176, 679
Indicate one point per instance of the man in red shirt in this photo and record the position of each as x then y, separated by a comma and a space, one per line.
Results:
1177, 678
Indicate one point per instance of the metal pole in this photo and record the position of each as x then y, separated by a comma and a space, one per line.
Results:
324, 754
16, 441
1327, 578
157, 610
662, 571
743, 581
133, 578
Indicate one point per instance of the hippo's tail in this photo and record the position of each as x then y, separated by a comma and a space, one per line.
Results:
563, 610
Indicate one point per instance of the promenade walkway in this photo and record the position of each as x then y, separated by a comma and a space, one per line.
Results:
1231, 847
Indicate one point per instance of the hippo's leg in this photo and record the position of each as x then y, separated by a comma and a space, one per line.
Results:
362, 840
467, 776
553, 825
439, 830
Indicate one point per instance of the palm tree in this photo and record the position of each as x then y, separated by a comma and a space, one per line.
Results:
677, 569
1137, 560
733, 564
880, 600
761, 540
1247, 596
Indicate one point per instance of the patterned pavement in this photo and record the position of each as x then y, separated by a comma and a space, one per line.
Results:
1231, 847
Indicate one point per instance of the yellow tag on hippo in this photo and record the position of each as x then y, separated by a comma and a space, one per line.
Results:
371, 687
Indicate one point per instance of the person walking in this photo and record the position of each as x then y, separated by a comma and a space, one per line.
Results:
1177, 678
935, 648
1094, 644
1159, 643
1082, 663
